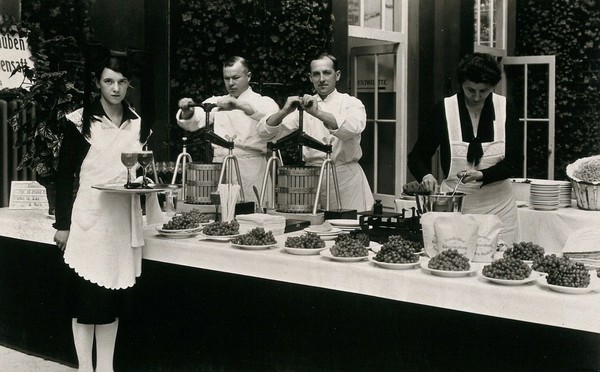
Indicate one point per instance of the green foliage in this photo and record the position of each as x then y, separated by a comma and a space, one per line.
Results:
570, 30
277, 37
57, 30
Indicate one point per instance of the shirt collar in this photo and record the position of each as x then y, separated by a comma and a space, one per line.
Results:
98, 110
329, 97
245, 93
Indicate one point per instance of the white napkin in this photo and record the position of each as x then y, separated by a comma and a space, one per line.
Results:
229, 195
153, 215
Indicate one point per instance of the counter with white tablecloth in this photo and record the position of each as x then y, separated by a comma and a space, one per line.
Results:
547, 228
209, 302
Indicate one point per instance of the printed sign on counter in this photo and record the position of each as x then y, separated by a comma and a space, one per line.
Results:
27, 195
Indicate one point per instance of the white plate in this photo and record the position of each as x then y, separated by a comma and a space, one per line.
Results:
333, 231
447, 273
327, 253
182, 235
393, 266
345, 222
303, 251
218, 238
120, 188
253, 247
569, 290
167, 231
532, 277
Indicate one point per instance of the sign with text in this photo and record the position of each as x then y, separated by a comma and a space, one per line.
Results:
14, 51
27, 195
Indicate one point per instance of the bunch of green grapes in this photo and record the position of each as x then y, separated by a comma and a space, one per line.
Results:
186, 220
256, 236
349, 248
507, 268
308, 240
391, 252
526, 251
547, 263
449, 260
221, 228
400, 241
569, 274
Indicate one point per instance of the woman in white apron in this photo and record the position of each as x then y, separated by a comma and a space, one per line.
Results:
479, 138
95, 230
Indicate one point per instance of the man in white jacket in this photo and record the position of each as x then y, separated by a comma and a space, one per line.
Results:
331, 116
235, 115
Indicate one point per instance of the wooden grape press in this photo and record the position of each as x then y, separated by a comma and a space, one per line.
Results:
297, 189
199, 180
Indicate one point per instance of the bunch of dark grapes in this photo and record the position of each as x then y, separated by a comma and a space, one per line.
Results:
526, 251
400, 241
361, 237
569, 274
547, 263
186, 220
392, 252
256, 236
449, 260
349, 248
308, 240
507, 268
221, 228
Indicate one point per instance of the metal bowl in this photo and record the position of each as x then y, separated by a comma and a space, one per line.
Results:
445, 202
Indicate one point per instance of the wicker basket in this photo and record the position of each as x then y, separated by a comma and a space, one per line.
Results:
587, 194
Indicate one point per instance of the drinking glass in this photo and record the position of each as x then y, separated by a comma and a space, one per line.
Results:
129, 160
145, 159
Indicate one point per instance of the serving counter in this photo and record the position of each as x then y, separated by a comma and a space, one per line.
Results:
547, 228
208, 303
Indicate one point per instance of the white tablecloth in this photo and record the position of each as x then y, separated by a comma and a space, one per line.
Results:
549, 229
530, 302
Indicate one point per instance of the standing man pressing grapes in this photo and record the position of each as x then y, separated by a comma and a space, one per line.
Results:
236, 115
332, 116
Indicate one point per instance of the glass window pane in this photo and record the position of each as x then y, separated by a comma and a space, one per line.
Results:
385, 87
373, 14
367, 144
389, 15
515, 83
537, 150
486, 24
365, 82
537, 95
386, 158
354, 12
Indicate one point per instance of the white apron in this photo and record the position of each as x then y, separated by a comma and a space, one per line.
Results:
355, 192
101, 247
494, 198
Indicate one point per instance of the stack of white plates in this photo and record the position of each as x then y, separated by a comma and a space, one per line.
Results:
345, 225
564, 197
325, 235
544, 194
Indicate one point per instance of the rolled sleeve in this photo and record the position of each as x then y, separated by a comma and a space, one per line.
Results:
351, 120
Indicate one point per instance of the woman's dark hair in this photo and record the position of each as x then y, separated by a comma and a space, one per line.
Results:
116, 64
131, 63
479, 68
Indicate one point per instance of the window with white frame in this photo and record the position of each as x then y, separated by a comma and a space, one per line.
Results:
384, 15
490, 26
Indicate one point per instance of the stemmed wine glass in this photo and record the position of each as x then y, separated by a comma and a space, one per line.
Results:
129, 160
145, 158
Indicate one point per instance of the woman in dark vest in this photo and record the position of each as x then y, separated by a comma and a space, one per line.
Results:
480, 138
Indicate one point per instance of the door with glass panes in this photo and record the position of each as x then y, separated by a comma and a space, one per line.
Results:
376, 82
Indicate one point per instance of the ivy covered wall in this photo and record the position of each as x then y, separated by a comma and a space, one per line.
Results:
276, 36
570, 30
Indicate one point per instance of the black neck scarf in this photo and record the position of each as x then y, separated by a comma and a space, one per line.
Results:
485, 131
